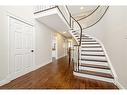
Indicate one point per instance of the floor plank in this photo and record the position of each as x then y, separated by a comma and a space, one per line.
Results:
56, 75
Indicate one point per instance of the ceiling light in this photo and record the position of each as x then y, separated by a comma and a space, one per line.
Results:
64, 32
81, 8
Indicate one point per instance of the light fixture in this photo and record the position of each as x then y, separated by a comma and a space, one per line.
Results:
82, 8
64, 32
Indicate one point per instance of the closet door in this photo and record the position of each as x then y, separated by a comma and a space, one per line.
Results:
21, 47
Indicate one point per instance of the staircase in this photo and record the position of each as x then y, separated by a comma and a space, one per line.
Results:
93, 63
89, 57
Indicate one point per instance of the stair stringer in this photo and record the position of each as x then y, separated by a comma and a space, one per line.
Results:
108, 59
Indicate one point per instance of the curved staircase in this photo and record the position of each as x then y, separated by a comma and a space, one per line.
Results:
93, 62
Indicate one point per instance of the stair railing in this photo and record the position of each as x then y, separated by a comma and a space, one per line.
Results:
76, 48
61, 9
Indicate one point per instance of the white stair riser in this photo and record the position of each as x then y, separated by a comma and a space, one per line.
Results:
91, 45
93, 57
91, 48
95, 63
93, 77
95, 69
88, 39
95, 53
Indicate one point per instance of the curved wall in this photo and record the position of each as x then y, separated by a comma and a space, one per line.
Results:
112, 32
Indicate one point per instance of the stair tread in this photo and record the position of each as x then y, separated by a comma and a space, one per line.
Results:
95, 66
85, 38
90, 43
96, 74
93, 50
93, 55
97, 60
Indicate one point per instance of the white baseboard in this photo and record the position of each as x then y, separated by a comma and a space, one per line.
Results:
5, 81
41, 65
60, 57
35, 67
9, 78
119, 85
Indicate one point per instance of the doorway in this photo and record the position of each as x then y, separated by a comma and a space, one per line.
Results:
54, 46
21, 38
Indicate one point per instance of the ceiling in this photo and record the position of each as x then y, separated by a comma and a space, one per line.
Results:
56, 23
80, 11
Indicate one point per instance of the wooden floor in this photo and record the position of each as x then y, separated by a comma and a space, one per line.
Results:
56, 75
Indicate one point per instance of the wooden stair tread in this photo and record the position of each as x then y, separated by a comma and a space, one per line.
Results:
85, 38
94, 60
96, 74
95, 66
76, 36
89, 43
93, 55
93, 50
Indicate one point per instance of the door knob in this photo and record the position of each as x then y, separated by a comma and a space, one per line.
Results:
32, 50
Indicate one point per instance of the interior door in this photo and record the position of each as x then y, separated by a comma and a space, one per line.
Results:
21, 47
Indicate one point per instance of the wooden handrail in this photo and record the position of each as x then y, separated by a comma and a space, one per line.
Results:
53, 8
81, 29
89, 14
80, 34
45, 10
97, 20
63, 15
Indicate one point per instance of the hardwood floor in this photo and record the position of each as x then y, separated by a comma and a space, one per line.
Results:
56, 75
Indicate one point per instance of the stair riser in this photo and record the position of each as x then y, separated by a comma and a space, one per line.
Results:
95, 63
87, 39
88, 42
95, 69
93, 77
91, 45
91, 49
93, 57
96, 53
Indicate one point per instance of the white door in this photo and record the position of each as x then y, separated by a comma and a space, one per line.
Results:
21, 47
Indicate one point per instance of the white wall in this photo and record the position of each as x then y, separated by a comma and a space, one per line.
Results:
43, 44
112, 31
61, 46
3, 45
43, 38
21, 12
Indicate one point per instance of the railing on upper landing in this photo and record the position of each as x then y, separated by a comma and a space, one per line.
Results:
61, 9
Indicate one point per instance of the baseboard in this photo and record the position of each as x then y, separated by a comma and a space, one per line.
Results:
60, 57
119, 85
41, 65
5, 81
9, 78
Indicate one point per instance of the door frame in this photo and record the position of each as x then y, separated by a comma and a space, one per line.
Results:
54, 35
9, 15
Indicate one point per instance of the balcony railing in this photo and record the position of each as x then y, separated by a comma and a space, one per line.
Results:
40, 8
62, 9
